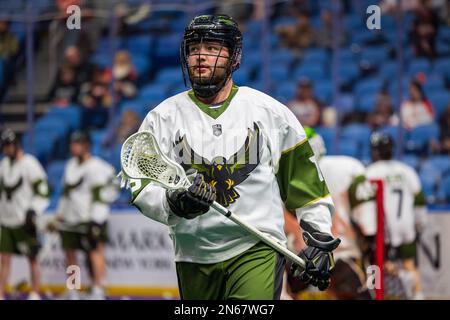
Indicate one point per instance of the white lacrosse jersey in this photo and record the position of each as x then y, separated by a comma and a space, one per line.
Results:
23, 186
345, 178
403, 200
88, 190
256, 154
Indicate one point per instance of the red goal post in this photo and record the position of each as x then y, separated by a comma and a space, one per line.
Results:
379, 237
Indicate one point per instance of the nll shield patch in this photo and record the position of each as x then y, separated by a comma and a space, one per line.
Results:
217, 129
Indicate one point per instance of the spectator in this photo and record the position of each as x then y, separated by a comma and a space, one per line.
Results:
128, 124
383, 114
96, 93
299, 36
417, 110
325, 34
444, 124
65, 89
124, 75
96, 98
424, 30
305, 106
83, 69
9, 45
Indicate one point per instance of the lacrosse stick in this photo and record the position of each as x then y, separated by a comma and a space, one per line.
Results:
141, 158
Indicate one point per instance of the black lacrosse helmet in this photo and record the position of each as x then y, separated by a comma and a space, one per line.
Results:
217, 28
80, 136
8, 137
382, 145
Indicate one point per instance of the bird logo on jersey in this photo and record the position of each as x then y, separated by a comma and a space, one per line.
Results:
223, 174
10, 190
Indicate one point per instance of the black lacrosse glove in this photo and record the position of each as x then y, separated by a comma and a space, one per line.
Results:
192, 202
30, 222
318, 257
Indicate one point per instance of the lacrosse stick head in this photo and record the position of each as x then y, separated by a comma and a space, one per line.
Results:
141, 158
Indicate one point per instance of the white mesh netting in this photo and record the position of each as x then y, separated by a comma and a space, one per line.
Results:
141, 158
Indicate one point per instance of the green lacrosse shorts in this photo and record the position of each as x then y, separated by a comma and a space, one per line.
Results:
18, 241
81, 240
256, 274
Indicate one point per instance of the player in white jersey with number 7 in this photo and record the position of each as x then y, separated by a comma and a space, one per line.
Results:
250, 154
404, 205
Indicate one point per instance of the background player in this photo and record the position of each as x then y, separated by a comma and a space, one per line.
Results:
404, 207
24, 194
89, 188
353, 197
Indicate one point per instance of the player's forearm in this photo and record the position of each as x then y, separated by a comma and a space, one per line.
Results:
317, 214
152, 203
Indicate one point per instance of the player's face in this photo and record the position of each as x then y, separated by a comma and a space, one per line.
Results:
78, 149
9, 150
208, 62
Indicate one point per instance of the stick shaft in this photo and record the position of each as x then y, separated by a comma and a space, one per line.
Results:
260, 235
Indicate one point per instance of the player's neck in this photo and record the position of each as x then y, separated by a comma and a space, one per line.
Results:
84, 157
221, 96
18, 156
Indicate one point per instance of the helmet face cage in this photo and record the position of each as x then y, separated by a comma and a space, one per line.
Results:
220, 29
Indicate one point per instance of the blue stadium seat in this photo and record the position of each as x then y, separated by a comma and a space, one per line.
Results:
367, 102
434, 83
141, 63
102, 59
348, 72
367, 86
277, 73
442, 67
241, 76
418, 139
154, 92
43, 145
360, 133
442, 48
170, 76
316, 55
312, 71
346, 103
346, 55
388, 70
141, 44
419, 65
285, 91
411, 160
70, 115
53, 124
393, 131
348, 147
431, 173
323, 90
375, 55
328, 136
440, 100
444, 189
55, 172
281, 57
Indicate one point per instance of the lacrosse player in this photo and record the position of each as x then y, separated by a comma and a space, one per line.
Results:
23, 195
89, 189
353, 221
404, 206
249, 153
